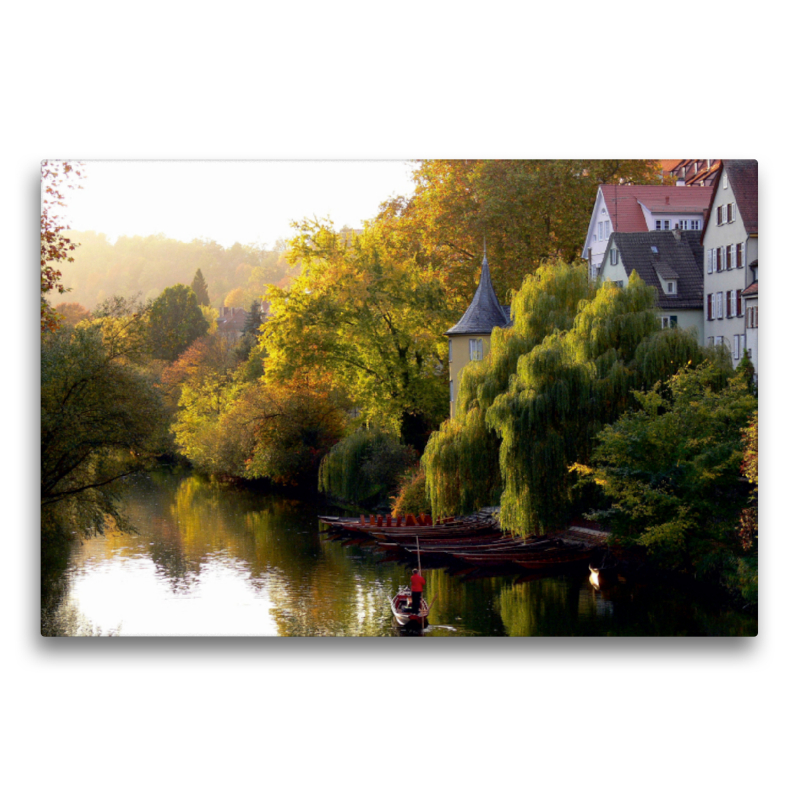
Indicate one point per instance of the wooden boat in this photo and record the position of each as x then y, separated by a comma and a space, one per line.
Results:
401, 605
408, 526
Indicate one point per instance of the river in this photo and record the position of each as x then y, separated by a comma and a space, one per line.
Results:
212, 559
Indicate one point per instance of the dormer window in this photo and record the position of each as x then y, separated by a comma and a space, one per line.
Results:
654, 249
672, 287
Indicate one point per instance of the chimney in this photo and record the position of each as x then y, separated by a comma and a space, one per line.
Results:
679, 182
676, 232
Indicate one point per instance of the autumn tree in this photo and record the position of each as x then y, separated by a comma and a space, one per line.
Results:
525, 210
56, 247
280, 431
200, 288
175, 321
365, 311
71, 313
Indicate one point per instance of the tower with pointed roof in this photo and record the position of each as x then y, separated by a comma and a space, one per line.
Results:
470, 337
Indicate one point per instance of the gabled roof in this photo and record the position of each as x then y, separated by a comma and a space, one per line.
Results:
743, 180
625, 203
661, 199
485, 312
679, 256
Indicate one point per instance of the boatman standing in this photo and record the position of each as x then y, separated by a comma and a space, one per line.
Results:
417, 585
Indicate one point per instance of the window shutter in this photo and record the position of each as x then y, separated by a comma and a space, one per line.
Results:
719, 215
738, 302
710, 261
708, 307
719, 305
733, 213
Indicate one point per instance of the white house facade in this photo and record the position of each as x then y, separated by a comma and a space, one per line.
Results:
638, 209
669, 261
730, 242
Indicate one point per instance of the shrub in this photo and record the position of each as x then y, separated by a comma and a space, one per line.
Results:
411, 496
365, 466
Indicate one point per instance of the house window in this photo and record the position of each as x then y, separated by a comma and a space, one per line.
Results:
710, 341
662, 224
684, 224
450, 350
740, 255
718, 265
728, 258
710, 261
728, 308
669, 322
751, 320
737, 353
476, 349
614, 254
719, 305
671, 287
719, 215
731, 215
718, 340
695, 224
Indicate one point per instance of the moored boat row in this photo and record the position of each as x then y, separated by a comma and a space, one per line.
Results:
474, 541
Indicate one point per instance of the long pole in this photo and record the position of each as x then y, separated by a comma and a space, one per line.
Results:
419, 569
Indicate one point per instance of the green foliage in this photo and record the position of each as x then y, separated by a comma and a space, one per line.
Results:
671, 470
228, 426
200, 288
365, 466
100, 419
175, 321
462, 459
564, 370
366, 313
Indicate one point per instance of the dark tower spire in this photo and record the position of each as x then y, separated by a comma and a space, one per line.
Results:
485, 312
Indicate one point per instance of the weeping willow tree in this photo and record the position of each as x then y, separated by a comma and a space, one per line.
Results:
462, 458
366, 465
570, 386
564, 370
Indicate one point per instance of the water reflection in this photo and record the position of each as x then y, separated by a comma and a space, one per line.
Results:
216, 560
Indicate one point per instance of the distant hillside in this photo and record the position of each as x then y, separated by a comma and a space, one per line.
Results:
146, 265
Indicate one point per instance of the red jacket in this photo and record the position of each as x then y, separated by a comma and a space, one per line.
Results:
417, 583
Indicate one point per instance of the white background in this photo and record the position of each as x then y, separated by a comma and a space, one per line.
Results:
398, 718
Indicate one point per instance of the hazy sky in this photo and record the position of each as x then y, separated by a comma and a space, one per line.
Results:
230, 201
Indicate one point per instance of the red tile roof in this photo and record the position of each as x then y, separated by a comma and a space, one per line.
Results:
623, 203
752, 289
